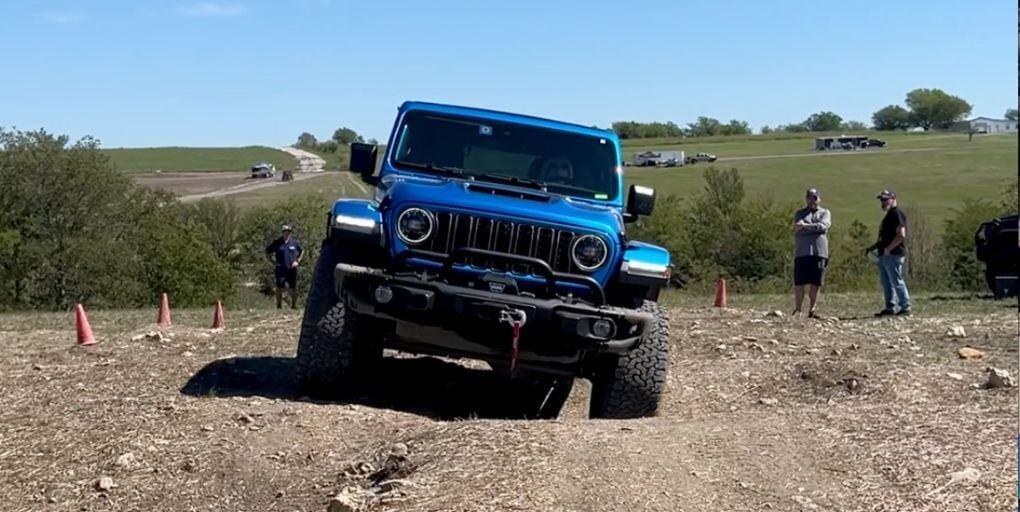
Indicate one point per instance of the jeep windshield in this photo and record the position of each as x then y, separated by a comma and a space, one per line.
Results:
515, 154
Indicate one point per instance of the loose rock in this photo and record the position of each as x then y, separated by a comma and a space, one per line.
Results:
776, 313
998, 378
969, 353
104, 484
954, 376
126, 461
769, 401
348, 500
956, 331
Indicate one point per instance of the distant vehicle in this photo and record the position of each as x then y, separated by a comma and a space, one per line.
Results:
702, 157
263, 170
659, 159
842, 143
873, 143
996, 244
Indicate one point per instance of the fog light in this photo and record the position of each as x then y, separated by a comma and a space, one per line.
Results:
383, 294
602, 328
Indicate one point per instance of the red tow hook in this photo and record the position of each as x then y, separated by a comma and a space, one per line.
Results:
516, 318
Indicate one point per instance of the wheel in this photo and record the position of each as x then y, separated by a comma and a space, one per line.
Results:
630, 386
336, 346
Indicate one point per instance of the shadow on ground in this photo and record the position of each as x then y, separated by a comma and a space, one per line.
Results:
426, 386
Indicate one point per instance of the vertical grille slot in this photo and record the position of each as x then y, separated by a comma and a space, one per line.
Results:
561, 261
544, 245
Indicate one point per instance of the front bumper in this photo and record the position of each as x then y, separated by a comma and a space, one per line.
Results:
431, 315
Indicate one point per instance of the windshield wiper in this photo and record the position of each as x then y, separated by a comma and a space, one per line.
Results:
431, 167
511, 180
572, 188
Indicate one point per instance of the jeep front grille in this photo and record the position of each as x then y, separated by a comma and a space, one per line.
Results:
457, 230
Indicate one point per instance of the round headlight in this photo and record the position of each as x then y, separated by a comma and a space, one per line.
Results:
589, 252
414, 225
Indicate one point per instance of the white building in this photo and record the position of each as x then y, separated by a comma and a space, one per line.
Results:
989, 125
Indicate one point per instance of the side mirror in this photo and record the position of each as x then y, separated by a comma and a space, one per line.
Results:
640, 201
363, 157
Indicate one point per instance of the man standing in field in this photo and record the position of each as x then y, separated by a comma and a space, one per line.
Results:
287, 253
811, 256
892, 251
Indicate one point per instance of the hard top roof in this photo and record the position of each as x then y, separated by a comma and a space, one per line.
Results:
507, 117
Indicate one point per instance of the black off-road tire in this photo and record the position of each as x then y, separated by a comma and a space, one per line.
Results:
335, 347
630, 386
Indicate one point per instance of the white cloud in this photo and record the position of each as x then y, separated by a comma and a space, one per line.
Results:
211, 10
62, 17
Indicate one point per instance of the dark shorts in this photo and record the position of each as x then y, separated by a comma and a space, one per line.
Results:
809, 270
286, 277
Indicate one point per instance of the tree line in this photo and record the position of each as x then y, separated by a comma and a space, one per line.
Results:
925, 108
342, 137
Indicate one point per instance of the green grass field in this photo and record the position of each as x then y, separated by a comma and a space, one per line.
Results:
178, 159
931, 173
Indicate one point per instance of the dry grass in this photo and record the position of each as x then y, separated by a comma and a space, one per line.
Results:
762, 413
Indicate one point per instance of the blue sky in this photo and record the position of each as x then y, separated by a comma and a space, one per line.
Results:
223, 73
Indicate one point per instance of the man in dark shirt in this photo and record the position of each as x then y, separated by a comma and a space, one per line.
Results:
892, 251
286, 251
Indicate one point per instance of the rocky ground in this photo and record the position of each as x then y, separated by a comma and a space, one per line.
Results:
762, 413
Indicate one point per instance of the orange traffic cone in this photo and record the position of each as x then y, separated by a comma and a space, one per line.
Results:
720, 293
81, 324
163, 318
217, 319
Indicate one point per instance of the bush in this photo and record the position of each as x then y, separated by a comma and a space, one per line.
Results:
926, 264
965, 271
720, 233
75, 230
261, 225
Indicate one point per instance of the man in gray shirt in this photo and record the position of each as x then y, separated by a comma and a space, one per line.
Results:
811, 256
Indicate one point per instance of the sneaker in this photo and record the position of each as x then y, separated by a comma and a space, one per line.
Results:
813, 314
903, 312
796, 312
885, 312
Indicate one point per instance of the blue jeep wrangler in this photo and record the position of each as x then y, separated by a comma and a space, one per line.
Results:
498, 237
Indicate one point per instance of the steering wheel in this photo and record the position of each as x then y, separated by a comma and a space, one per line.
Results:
558, 170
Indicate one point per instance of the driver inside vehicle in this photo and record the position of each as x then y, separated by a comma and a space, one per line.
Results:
558, 170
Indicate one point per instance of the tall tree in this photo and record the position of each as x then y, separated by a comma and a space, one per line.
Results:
344, 136
823, 122
934, 108
735, 127
1011, 114
705, 126
891, 117
306, 140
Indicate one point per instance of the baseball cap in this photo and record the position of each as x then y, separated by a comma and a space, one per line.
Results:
286, 227
813, 192
886, 194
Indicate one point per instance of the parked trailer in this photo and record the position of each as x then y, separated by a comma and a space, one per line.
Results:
659, 159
